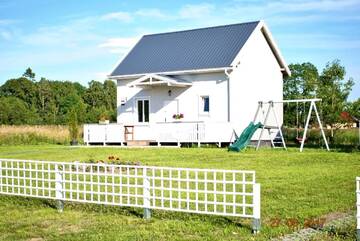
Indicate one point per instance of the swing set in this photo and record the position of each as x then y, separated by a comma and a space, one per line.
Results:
269, 128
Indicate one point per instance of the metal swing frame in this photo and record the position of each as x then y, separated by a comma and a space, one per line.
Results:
278, 127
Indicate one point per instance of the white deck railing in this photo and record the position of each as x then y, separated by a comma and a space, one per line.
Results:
191, 132
176, 132
98, 133
203, 191
358, 207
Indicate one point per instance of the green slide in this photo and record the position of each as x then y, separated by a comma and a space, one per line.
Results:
245, 137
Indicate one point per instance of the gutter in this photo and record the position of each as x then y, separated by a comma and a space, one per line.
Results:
228, 92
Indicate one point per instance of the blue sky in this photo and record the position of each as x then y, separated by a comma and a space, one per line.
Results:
83, 40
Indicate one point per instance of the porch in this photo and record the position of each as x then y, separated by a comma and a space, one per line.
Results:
160, 133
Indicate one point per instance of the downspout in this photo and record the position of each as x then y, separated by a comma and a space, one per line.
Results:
228, 92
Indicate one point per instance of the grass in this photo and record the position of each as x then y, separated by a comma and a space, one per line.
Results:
294, 185
33, 134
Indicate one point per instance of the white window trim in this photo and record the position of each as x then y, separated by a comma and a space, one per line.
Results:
136, 110
202, 113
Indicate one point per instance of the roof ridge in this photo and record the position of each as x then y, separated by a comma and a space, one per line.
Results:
204, 28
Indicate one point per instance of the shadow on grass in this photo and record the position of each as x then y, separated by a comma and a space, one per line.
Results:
335, 148
220, 221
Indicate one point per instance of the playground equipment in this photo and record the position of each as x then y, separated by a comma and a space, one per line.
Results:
311, 108
249, 131
243, 140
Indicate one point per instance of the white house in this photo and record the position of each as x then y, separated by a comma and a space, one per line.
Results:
213, 77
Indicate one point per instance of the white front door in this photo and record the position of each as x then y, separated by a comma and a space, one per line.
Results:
170, 108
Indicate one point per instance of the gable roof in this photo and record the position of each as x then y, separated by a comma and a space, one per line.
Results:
189, 50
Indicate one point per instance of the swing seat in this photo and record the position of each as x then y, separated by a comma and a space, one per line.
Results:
300, 139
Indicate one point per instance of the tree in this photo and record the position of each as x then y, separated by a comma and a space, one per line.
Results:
302, 84
29, 74
73, 126
354, 108
94, 96
334, 91
21, 88
110, 98
14, 111
44, 94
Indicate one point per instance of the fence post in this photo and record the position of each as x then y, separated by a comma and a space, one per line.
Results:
58, 189
358, 208
256, 211
146, 183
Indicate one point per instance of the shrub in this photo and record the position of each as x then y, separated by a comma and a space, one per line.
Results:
73, 126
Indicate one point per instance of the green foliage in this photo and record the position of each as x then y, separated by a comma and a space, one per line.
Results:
21, 88
29, 74
354, 108
334, 91
50, 102
330, 86
73, 125
14, 111
342, 138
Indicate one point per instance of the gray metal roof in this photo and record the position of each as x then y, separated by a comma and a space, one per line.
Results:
203, 48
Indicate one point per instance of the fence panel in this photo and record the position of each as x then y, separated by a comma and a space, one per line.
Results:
203, 191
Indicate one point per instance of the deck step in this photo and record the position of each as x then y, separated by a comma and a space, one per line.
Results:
139, 143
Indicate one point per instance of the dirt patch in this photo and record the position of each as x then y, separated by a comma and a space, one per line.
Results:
70, 228
334, 216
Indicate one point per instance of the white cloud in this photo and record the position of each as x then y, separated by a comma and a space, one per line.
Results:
286, 7
101, 75
68, 35
192, 11
119, 45
5, 22
322, 5
151, 13
318, 41
120, 16
5, 35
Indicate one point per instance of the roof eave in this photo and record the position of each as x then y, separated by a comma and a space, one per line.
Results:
283, 65
179, 72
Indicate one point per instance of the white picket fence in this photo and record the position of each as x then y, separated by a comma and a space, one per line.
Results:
204, 191
358, 207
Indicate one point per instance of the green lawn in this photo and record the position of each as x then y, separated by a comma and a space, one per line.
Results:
294, 186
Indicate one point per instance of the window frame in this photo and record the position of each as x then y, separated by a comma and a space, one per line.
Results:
143, 101
202, 102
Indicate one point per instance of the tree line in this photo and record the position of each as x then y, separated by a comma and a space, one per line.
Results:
330, 85
24, 100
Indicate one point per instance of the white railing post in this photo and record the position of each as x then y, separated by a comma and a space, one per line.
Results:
146, 194
256, 209
59, 194
358, 207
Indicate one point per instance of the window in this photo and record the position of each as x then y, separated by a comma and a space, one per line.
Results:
205, 104
143, 110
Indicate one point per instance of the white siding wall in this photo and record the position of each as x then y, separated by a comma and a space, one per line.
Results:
257, 77
214, 85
